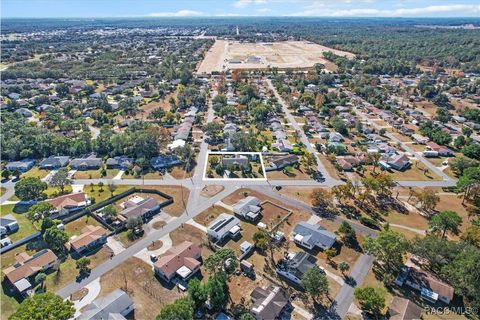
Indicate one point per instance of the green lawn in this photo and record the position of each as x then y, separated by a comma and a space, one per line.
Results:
2, 191
105, 193
95, 174
26, 227
35, 172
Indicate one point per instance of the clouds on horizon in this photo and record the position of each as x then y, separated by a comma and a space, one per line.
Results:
213, 8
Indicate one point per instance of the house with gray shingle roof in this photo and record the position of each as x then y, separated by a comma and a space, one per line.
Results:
54, 162
248, 208
310, 236
116, 305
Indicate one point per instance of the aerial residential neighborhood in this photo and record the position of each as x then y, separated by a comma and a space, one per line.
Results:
250, 160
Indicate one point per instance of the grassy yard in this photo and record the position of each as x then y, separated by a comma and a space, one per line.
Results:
35, 172
68, 272
26, 227
2, 191
75, 227
95, 174
125, 240
102, 193
291, 174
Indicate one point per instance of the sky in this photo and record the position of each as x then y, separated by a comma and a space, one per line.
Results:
206, 8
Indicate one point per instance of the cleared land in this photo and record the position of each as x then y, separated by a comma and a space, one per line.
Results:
224, 55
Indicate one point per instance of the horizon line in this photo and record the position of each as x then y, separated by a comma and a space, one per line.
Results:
246, 16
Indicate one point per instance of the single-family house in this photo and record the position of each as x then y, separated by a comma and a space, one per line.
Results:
268, 302
279, 162
225, 226
91, 237
181, 261
164, 161
145, 208
404, 309
310, 236
119, 162
114, 306
283, 145
441, 150
69, 203
54, 162
24, 112
8, 224
89, 163
248, 208
420, 139
398, 162
22, 165
20, 274
335, 137
295, 265
239, 161
430, 286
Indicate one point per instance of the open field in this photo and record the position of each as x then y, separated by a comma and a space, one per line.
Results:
286, 54
137, 278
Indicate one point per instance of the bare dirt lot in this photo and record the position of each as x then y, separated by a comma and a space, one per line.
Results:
225, 55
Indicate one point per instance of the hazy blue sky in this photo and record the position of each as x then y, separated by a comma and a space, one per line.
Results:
186, 8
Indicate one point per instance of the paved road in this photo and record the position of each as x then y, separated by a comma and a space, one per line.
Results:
344, 297
196, 204
303, 136
9, 185
305, 207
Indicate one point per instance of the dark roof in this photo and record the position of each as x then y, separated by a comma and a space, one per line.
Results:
54, 161
300, 263
164, 161
284, 160
268, 302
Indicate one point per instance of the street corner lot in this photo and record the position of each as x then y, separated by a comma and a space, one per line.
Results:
225, 55
234, 166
